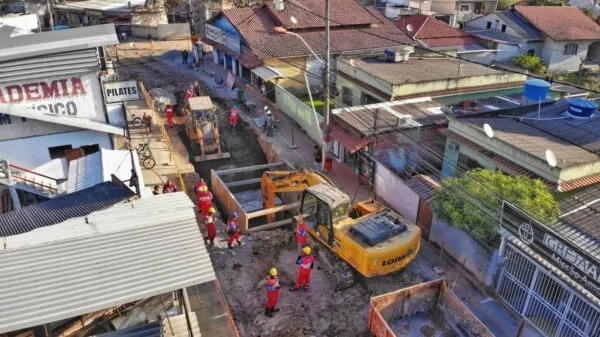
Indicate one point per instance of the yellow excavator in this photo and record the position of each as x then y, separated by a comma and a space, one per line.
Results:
273, 182
366, 236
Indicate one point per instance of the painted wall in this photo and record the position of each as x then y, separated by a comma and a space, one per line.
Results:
32, 153
391, 188
172, 31
356, 93
460, 245
299, 112
481, 24
13, 127
554, 57
24, 24
363, 76
294, 69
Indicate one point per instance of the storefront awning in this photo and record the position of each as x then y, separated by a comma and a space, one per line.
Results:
267, 73
69, 121
350, 141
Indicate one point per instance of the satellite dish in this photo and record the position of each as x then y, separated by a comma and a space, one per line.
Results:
293, 19
409, 27
488, 130
550, 158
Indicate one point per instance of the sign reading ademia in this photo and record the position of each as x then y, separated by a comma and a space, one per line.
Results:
121, 91
561, 253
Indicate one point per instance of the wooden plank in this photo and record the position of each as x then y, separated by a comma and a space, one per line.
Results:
215, 156
249, 168
243, 182
272, 210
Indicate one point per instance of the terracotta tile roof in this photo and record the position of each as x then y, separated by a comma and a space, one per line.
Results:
422, 185
351, 141
560, 23
516, 169
256, 27
310, 13
434, 33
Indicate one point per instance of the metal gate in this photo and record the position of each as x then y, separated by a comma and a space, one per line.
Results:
544, 300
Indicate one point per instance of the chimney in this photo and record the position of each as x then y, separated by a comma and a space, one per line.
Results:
279, 5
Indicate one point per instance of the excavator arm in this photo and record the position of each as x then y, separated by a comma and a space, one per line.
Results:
273, 182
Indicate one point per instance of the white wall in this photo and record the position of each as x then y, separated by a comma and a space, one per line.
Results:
25, 24
18, 128
32, 153
391, 188
557, 61
480, 24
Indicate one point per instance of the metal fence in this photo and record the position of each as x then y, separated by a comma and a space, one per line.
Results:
545, 301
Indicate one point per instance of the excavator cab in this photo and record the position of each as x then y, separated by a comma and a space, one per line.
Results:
322, 206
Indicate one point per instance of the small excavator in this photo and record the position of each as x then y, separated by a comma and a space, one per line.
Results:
367, 237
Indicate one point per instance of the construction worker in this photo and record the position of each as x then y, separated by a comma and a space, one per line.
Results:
197, 88
170, 113
198, 187
269, 124
266, 112
233, 117
301, 235
232, 231
204, 200
306, 264
169, 187
189, 92
211, 228
272, 293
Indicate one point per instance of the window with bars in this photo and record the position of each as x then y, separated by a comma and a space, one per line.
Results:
570, 49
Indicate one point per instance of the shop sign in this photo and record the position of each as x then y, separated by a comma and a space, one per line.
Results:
68, 96
121, 91
561, 253
220, 36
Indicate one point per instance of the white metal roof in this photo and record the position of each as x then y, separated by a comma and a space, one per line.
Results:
98, 167
103, 5
125, 253
268, 73
19, 111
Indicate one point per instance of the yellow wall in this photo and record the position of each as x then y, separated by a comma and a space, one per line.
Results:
293, 68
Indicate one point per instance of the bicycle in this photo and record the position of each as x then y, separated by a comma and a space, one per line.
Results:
148, 162
136, 122
143, 150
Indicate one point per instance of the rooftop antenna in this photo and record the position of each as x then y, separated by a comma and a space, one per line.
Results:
551, 158
488, 130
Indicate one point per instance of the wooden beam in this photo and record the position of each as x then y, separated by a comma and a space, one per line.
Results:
271, 225
243, 182
249, 168
272, 210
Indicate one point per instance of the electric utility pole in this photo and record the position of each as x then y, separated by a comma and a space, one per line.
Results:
327, 89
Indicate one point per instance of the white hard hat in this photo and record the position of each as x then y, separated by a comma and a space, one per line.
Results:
269, 112
266, 108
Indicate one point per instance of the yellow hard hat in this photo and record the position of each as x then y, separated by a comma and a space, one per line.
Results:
306, 250
204, 188
273, 272
212, 210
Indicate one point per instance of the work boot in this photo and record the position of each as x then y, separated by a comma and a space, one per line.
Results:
212, 243
229, 246
294, 288
305, 288
206, 241
269, 312
239, 243
275, 310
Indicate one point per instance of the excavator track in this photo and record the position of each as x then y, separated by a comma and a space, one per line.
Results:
339, 270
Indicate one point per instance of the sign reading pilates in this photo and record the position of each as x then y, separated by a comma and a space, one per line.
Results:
121, 91
69, 96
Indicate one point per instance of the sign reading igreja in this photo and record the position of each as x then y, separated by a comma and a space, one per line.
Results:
565, 255
68, 96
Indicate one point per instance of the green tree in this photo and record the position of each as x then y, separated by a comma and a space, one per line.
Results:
454, 202
530, 62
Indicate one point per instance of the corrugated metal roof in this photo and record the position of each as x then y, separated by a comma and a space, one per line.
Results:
201, 103
67, 63
422, 185
112, 6
128, 252
46, 43
98, 167
62, 208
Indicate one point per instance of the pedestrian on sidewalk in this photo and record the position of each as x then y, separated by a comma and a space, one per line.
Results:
184, 56
266, 112
317, 158
301, 235
170, 114
269, 124
204, 200
148, 121
272, 293
169, 187
306, 264
156, 190
211, 228
232, 231
197, 88
263, 89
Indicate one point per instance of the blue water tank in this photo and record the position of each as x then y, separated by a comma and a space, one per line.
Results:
536, 89
582, 108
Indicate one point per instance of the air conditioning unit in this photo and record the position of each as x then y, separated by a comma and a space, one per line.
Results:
453, 147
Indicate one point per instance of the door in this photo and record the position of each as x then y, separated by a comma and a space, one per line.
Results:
365, 166
424, 217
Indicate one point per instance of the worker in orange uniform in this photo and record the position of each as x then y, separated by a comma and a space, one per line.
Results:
272, 293
232, 230
233, 118
199, 186
301, 235
169, 187
204, 200
189, 92
169, 112
211, 228
306, 264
